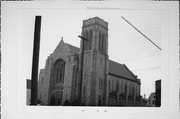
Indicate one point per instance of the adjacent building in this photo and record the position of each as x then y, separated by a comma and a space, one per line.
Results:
28, 91
158, 93
152, 100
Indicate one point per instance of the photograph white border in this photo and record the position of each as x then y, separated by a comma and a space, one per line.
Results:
14, 90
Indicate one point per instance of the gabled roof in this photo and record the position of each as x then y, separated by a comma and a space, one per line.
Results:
120, 70
72, 48
116, 69
61, 43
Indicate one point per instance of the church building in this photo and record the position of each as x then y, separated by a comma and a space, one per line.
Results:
103, 83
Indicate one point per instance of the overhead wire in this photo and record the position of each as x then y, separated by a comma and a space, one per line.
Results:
141, 33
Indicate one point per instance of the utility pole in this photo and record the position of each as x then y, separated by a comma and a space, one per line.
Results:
81, 67
35, 62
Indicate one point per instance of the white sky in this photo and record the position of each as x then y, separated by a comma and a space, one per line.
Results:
126, 45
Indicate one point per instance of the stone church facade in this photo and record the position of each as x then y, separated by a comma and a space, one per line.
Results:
104, 82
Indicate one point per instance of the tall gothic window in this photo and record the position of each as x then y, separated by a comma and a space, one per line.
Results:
88, 44
85, 42
102, 44
90, 40
59, 69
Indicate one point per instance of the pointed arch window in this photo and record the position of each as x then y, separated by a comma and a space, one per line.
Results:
85, 42
88, 44
59, 69
102, 42
90, 40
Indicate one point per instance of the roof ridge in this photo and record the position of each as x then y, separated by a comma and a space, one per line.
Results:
130, 71
72, 48
61, 41
67, 46
71, 45
115, 62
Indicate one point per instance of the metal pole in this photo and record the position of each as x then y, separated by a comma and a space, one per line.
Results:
81, 71
35, 62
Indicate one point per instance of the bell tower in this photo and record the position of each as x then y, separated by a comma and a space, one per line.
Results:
95, 64
96, 31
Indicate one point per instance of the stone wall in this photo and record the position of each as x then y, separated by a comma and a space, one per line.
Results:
121, 90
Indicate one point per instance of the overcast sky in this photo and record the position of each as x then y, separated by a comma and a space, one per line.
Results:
126, 45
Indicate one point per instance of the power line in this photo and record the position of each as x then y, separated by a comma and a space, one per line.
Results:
141, 33
137, 58
149, 68
128, 29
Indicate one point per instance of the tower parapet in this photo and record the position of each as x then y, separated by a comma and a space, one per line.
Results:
96, 31
95, 21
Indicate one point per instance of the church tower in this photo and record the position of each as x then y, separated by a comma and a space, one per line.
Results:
95, 64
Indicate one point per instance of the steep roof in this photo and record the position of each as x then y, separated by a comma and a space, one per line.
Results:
60, 44
72, 48
116, 69
120, 70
